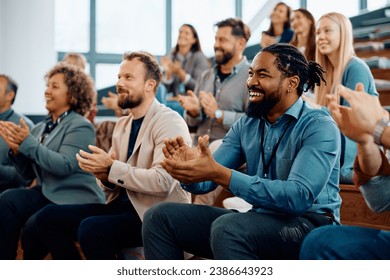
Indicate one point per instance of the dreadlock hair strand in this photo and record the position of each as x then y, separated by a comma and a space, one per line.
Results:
291, 62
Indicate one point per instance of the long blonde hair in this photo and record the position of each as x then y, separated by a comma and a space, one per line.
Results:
345, 53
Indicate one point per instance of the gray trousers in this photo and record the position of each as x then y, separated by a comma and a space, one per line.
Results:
217, 233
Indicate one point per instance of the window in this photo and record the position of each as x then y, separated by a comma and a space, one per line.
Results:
106, 75
130, 25
377, 4
72, 32
202, 14
319, 8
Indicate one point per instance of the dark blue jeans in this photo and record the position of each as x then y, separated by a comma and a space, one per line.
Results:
346, 243
101, 229
216, 233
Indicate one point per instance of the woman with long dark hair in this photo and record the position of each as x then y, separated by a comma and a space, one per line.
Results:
184, 65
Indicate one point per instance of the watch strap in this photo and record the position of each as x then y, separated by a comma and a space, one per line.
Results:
378, 131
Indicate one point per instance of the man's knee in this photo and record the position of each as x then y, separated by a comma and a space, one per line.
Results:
225, 226
315, 244
158, 214
89, 229
46, 216
8, 197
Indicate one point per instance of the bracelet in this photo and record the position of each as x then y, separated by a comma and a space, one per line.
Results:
378, 130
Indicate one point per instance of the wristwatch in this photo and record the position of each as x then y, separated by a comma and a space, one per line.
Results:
378, 130
218, 114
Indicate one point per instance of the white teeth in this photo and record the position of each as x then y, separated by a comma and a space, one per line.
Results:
255, 94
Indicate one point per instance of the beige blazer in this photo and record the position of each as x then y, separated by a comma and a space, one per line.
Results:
146, 182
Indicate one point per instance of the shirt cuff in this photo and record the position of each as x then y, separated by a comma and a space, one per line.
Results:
166, 81
238, 184
187, 79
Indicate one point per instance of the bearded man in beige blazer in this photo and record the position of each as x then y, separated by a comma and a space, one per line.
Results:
130, 173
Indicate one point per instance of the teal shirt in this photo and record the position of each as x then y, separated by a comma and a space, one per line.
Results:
356, 71
303, 175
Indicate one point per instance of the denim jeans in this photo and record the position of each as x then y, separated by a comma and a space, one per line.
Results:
217, 233
346, 243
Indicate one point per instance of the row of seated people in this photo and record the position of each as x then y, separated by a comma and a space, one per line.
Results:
221, 92
188, 83
135, 175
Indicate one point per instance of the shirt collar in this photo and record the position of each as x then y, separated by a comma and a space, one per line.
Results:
294, 110
5, 115
180, 57
237, 68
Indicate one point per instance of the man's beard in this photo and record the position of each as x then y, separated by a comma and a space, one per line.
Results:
226, 57
130, 103
260, 109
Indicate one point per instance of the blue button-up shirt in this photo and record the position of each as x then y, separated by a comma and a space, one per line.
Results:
303, 175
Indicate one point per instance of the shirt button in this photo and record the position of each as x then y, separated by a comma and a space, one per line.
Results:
120, 181
268, 148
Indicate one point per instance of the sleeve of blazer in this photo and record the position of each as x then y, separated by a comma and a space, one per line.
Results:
76, 135
152, 179
22, 169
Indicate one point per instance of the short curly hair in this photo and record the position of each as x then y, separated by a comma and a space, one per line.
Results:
81, 88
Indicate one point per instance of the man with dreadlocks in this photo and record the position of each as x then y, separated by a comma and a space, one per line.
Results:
292, 157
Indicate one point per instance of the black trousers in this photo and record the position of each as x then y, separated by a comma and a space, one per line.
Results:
102, 230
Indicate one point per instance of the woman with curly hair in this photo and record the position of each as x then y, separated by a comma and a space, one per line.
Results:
48, 154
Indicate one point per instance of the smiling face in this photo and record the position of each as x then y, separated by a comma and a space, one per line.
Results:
131, 84
279, 14
56, 95
265, 85
328, 36
300, 23
225, 45
186, 37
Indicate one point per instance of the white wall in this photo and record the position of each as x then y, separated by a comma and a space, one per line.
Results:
27, 49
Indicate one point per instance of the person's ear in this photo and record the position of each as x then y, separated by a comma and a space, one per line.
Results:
293, 83
241, 43
150, 85
10, 95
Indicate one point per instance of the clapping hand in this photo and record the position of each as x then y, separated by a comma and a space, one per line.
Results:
187, 164
14, 134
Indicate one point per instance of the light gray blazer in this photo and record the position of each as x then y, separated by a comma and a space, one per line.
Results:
54, 162
146, 182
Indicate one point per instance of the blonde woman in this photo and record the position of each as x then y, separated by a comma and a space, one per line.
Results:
336, 55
